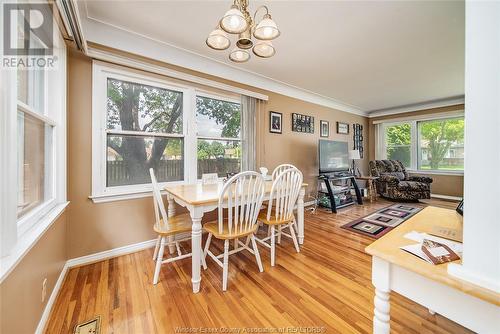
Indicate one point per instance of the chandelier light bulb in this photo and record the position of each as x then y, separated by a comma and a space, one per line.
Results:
264, 49
233, 21
266, 29
239, 56
218, 39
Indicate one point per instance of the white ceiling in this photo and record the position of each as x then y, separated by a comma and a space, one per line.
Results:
371, 55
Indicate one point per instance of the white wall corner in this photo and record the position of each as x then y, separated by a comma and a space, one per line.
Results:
481, 230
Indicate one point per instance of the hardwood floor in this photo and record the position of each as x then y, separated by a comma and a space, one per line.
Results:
327, 284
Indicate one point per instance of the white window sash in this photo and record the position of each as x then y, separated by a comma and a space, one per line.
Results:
101, 73
202, 93
17, 235
415, 152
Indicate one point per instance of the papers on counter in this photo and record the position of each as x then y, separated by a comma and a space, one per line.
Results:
419, 237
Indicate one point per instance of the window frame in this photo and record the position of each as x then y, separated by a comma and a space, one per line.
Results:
201, 93
415, 153
18, 235
101, 71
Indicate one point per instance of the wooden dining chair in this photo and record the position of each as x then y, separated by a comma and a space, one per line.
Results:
281, 168
242, 194
167, 229
279, 213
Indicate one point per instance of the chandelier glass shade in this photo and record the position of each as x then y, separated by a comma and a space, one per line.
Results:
264, 49
233, 21
218, 39
266, 29
239, 55
237, 20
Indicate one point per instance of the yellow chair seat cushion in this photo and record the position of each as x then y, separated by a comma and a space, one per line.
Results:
177, 224
272, 220
213, 228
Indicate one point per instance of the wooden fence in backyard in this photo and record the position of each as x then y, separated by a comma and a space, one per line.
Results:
171, 170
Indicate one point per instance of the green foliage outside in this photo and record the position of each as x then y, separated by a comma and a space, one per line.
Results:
437, 136
440, 135
136, 107
398, 139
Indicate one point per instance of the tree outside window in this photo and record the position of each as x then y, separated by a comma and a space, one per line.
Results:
398, 140
441, 144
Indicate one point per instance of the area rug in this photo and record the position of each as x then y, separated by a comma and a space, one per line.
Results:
382, 221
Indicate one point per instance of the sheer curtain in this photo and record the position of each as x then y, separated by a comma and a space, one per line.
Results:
250, 108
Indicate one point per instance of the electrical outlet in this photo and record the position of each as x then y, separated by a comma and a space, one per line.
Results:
44, 289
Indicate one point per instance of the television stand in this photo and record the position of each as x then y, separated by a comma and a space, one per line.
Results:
338, 189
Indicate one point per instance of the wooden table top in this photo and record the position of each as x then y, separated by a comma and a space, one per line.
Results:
200, 194
387, 248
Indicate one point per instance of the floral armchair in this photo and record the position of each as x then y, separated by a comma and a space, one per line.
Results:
394, 182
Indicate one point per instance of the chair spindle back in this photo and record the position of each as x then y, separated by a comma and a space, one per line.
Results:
281, 168
284, 193
160, 211
244, 193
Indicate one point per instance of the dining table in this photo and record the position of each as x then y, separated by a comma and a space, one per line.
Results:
198, 199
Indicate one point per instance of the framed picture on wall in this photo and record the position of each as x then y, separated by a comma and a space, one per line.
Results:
343, 128
275, 122
302, 123
324, 128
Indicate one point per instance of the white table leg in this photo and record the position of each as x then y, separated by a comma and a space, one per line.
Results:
196, 216
171, 213
300, 215
381, 281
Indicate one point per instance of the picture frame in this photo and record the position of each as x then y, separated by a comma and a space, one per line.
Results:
342, 128
302, 123
324, 128
275, 122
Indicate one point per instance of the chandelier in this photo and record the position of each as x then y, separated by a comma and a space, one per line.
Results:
237, 20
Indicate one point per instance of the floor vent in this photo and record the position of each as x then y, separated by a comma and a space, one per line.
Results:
89, 327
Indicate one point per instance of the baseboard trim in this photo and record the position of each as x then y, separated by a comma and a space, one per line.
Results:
51, 300
453, 198
96, 257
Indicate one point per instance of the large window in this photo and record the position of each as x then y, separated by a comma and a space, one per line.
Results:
144, 130
33, 140
142, 122
219, 136
398, 141
441, 144
432, 145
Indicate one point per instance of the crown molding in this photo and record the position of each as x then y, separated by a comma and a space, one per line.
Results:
121, 39
446, 102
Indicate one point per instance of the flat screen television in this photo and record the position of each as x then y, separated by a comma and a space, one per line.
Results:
333, 156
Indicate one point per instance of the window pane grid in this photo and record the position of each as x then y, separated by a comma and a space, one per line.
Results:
144, 129
219, 136
34, 163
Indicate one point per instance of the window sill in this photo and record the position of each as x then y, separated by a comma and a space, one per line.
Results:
28, 239
104, 198
436, 172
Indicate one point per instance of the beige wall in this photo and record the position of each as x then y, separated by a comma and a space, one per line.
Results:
98, 227
450, 185
20, 293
